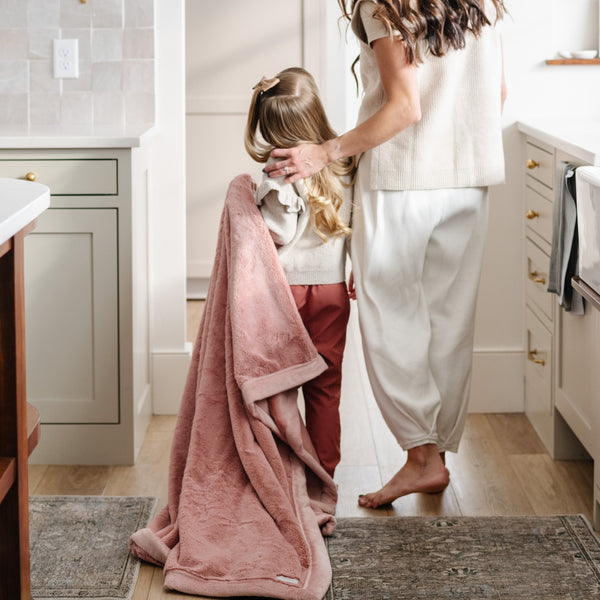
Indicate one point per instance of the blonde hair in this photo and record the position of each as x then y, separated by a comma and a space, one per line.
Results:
286, 111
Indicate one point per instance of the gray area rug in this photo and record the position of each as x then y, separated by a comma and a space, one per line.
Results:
466, 558
80, 545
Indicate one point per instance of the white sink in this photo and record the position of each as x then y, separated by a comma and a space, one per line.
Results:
588, 224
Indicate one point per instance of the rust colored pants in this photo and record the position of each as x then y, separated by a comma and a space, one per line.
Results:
325, 310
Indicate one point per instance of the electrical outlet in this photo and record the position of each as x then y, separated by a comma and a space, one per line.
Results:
66, 59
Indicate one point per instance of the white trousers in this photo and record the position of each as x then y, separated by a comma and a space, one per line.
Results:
416, 259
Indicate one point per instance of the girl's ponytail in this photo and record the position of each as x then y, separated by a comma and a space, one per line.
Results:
259, 152
252, 126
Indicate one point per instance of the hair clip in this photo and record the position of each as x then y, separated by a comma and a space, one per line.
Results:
266, 84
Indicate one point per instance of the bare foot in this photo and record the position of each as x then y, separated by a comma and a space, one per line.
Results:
423, 471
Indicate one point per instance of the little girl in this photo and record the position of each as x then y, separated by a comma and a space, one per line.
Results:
308, 221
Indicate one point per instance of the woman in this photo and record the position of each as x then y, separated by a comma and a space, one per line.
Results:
430, 130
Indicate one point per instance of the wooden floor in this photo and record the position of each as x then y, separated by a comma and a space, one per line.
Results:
501, 468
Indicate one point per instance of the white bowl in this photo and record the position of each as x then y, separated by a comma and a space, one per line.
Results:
564, 54
584, 53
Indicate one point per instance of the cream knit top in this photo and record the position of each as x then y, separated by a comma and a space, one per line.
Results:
305, 257
458, 141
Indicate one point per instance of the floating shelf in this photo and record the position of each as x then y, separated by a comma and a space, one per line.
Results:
573, 61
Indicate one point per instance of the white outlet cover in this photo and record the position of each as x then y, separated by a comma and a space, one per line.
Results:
66, 59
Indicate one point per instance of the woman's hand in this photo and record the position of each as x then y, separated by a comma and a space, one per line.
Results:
298, 162
401, 109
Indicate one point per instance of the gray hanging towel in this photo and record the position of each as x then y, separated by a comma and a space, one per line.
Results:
563, 257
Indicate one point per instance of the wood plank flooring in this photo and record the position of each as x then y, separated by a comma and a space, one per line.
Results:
501, 467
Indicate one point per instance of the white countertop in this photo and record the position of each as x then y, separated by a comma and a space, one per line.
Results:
580, 138
100, 137
20, 203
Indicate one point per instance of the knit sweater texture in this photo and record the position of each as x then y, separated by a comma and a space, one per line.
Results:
458, 141
305, 257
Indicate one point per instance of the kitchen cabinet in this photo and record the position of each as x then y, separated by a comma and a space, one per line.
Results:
540, 307
87, 313
562, 379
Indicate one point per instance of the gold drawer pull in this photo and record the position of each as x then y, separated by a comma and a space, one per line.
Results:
532, 214
31, 176
532, 164
534, 276
533, 358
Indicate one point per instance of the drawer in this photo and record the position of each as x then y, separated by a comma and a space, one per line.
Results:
538, 214
540, 188
539, 164
67, 177
538, 368
536, 284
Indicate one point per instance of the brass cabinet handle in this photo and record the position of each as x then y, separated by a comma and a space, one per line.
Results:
31, 176
534, 276
532, 214
532, 356
532, 164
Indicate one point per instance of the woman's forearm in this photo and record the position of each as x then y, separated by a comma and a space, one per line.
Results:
305, 160
387, 122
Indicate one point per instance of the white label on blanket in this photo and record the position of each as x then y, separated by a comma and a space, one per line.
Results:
287, 579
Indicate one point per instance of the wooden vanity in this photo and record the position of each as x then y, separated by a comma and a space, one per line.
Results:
21, 202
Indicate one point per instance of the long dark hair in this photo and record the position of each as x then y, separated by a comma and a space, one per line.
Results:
441, 24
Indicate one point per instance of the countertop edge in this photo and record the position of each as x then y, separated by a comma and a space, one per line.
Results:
26, 213
563, 142
115, 140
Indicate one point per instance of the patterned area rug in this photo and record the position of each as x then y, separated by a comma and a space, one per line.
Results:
466, 558
80, 545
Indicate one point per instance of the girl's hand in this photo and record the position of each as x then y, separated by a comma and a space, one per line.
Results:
351, 287
298, 162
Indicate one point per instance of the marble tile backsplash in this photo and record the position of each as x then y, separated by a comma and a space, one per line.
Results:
116, 65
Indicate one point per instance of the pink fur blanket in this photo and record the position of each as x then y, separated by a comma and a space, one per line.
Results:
248, 500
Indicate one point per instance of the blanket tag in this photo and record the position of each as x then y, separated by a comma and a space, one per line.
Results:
285, 579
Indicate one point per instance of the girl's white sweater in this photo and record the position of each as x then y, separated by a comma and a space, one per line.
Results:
306, 259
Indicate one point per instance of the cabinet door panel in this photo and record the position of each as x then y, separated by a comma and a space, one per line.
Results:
576, 391
230, 45
209, 175
72, 316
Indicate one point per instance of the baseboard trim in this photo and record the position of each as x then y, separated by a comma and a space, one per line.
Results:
197, 288
142, 418
169, 372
